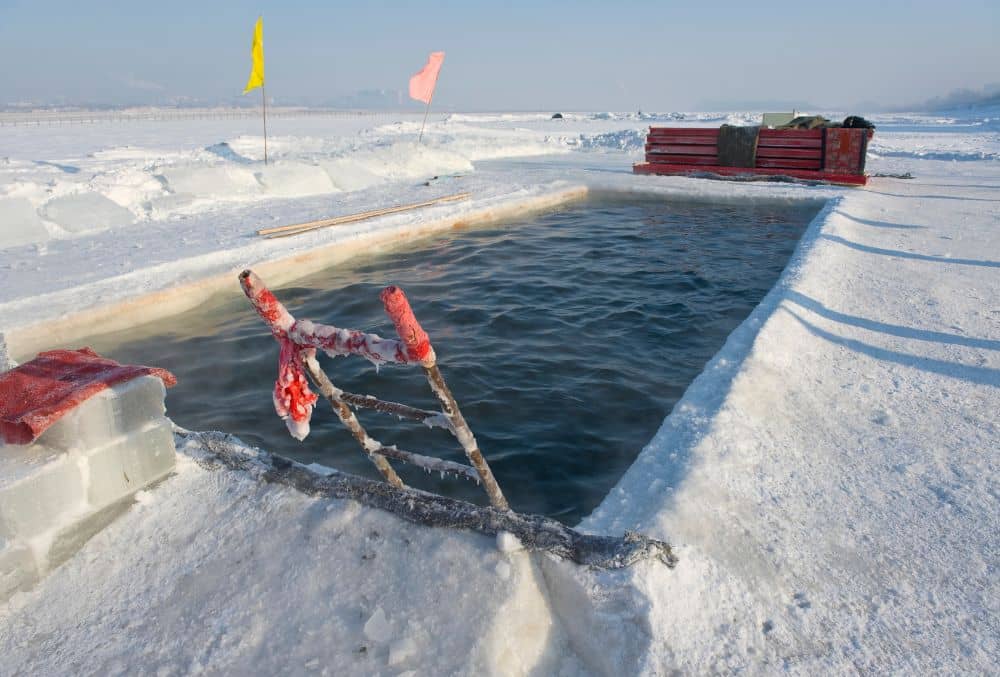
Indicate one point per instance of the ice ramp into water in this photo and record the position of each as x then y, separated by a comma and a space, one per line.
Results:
534, 531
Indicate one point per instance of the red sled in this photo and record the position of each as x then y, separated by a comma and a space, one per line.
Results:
830, 155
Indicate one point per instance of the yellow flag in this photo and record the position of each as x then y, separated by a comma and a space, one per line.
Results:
257, 53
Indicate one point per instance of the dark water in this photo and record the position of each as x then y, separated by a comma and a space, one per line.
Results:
566, 338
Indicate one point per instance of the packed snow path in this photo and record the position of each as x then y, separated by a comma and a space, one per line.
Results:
838, 511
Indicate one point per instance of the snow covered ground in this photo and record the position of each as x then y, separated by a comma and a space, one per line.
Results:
838, 511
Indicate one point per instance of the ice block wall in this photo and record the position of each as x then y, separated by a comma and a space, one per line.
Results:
77, 476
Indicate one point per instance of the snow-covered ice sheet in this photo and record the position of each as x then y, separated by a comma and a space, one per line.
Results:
838, 509
274, 582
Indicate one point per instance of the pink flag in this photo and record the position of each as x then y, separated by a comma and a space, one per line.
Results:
422, 84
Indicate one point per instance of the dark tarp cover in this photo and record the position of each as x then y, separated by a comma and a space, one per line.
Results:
737, 146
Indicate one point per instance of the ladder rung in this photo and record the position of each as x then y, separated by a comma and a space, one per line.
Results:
430, 418
429, 463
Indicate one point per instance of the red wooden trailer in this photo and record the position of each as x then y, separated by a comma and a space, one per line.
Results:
831, 154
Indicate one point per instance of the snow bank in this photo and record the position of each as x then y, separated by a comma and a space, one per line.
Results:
629, 140
358, 596
118, 184
21, 224
81, 212
572, 116
402, 159
947, 147
498, 117
347, 175
295, 180
220, 182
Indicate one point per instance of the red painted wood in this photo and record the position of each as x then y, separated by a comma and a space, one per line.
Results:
843, 150
774, 163
800, 153
789, 143
685, 138
674, 138
683, 131
675, 169
681, 159
675, 144
397, 307
682, 149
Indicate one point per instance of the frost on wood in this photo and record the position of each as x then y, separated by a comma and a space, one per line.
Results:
333, 341
533, 531
299, 341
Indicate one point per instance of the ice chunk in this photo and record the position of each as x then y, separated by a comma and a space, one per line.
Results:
321, 469
43, 488
107, 415
129, 463
222, 181
377, 629
86, 211
69, 484
18, 570
39, 489
20, 223
347, 175
295, 180
402, 650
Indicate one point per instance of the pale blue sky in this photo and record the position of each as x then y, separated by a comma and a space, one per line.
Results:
516, 54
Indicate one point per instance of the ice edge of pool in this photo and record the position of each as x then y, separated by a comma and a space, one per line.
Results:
694, 413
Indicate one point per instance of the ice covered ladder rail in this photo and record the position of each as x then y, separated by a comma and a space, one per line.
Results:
299, 341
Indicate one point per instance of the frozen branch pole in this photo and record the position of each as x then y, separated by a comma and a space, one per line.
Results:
418, 349
534, 531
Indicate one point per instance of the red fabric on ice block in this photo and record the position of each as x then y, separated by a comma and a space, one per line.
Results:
38, 393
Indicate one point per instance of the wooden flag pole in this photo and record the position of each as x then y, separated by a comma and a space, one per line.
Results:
428, 109
263, 101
